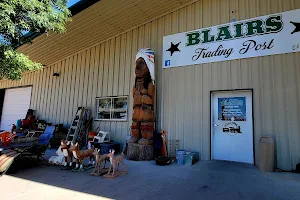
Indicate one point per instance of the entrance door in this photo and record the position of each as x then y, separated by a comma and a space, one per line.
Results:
15, 106
232, 126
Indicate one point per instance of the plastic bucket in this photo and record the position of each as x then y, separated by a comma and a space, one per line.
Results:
91, 136
180, 156
189, 158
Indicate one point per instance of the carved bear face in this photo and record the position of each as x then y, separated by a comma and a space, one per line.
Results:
141, 69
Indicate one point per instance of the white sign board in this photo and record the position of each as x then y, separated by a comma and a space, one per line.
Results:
261, 36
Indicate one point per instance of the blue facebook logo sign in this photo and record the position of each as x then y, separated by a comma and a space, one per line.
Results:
167, 63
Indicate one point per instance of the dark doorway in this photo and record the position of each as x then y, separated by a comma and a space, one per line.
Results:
2, 94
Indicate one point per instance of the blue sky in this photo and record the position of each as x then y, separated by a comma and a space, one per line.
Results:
72, 2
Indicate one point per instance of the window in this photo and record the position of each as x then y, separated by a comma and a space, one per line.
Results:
112, 108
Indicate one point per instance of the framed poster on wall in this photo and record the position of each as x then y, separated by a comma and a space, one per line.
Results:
232, 109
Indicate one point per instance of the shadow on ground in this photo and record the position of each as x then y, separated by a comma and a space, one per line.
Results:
145, 180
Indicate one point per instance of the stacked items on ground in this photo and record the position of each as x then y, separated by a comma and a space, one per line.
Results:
6, 137
22, 150
29, 124
30, 121
103, 141
185, 157
10, 140
59, 134
140, 145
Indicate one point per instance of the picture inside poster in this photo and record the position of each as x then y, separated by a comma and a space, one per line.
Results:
232, 109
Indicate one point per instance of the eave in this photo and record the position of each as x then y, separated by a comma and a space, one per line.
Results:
96, 23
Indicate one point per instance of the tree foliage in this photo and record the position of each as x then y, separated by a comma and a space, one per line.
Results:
18, 19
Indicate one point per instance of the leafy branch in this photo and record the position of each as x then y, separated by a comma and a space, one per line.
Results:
19, 19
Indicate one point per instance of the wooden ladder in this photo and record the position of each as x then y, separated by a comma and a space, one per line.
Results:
77, 125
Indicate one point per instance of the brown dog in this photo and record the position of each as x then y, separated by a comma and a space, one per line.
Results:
99, 160
115, 162
80, 155
65, 145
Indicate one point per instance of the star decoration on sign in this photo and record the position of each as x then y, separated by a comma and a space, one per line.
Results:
173, 48
297, 27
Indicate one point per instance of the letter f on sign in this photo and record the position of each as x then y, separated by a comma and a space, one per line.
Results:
167, 63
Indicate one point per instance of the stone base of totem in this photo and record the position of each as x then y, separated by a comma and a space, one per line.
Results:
139, 152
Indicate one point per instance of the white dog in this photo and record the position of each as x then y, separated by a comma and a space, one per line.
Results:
57, 160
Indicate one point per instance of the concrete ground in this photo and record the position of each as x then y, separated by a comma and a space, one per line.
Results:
145, 180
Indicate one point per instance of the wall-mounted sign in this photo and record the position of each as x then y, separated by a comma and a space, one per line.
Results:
232, 128
232, 109
261, 36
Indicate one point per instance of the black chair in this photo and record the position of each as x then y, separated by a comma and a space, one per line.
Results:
35, 153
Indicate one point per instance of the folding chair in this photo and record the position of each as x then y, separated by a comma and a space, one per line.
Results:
102, 137
34, 133
39, 150
47, 135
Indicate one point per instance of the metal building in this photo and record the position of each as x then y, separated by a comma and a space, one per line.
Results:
96, 59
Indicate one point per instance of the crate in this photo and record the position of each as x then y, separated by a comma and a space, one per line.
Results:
191, 158
172, 147
96, 145
105, 147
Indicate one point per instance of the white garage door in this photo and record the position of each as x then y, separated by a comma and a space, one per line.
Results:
15, 106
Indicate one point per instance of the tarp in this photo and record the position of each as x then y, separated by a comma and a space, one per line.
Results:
6, 160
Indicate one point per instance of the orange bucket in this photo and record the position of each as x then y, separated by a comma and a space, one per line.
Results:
6, 138
91, 136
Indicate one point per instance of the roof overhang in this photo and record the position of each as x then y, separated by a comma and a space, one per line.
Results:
95, 21
74, 9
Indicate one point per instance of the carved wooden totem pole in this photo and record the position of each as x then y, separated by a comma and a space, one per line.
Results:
143, 120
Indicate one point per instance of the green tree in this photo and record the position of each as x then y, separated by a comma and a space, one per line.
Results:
19, 19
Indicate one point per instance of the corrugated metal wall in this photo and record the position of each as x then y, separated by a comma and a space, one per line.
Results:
183, 94
274, 79
103, 70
